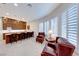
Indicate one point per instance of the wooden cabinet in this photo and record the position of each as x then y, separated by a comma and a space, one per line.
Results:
16, 36
14, 24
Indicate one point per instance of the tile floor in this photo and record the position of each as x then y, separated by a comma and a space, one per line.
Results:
27, 47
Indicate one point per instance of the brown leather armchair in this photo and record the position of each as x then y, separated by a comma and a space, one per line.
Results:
49, 50
60, 48
41, 33
40, 37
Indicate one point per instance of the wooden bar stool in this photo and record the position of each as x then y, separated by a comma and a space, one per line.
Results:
8, 38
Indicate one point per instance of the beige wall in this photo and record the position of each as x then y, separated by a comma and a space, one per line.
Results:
34, 27
1, 36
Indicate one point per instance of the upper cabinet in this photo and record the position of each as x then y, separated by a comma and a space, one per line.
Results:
14, 24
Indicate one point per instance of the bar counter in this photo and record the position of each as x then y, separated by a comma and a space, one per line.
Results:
16, 35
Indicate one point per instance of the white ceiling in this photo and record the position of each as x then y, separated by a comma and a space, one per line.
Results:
38, 10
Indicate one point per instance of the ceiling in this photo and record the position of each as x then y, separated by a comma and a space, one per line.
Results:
25, 12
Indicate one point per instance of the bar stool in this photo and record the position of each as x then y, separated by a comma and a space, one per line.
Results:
8, 38
19, 36
14, 37
26, 35
22, 36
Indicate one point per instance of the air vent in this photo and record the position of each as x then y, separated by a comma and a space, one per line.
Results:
4, 3
29, 5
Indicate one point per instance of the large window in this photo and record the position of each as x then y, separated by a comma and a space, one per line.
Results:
64, 25
72, 24
41, 26
69, 24
46, 27
68, 27
54, 26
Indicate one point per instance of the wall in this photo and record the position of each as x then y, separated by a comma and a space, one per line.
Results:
1, 36
34, 27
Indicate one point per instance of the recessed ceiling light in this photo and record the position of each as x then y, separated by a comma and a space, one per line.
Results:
3, 3
15, 4
30, 5
7, 13
22, 18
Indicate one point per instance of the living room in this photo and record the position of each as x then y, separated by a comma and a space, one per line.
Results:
27, 28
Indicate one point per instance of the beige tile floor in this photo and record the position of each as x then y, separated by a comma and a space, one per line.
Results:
27, 47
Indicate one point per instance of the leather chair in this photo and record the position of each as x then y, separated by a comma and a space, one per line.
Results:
40, 37
49, 50
41, 33
65, 48
60, 48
